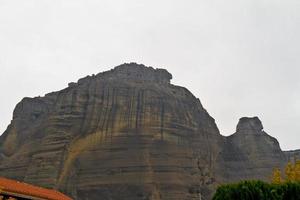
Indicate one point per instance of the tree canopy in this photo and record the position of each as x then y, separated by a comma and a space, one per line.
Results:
283, 186
258, 190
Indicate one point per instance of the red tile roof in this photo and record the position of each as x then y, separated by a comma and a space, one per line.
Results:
16, 187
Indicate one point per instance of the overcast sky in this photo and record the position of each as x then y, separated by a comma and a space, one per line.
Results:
240, 57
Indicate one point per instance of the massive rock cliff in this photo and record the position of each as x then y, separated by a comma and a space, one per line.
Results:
128, 133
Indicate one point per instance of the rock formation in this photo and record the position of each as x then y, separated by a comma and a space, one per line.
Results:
250, 153
128, 133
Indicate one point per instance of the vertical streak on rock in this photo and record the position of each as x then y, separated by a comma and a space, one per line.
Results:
85, 108
131, 99
127, 109
105, 115
100, 111
108, 117
95, 107
144, 109
137, 114
162, 113
92, 106
113, 112
139, 110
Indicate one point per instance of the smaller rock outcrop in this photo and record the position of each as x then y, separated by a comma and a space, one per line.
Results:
250, 153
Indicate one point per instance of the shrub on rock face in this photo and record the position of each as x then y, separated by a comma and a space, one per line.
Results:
258, 190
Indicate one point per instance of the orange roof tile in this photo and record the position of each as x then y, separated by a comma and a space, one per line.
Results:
11, 186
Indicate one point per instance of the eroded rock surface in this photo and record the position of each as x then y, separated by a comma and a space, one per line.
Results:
250, 153
128, 134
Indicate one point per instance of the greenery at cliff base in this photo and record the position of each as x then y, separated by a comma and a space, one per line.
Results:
285, 187
258, 190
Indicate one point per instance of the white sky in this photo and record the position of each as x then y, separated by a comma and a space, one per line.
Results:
240, 57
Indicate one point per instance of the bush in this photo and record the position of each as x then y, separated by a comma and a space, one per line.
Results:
258, 190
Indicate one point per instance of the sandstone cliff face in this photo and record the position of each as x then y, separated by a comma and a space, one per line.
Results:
123, 134
128, 134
